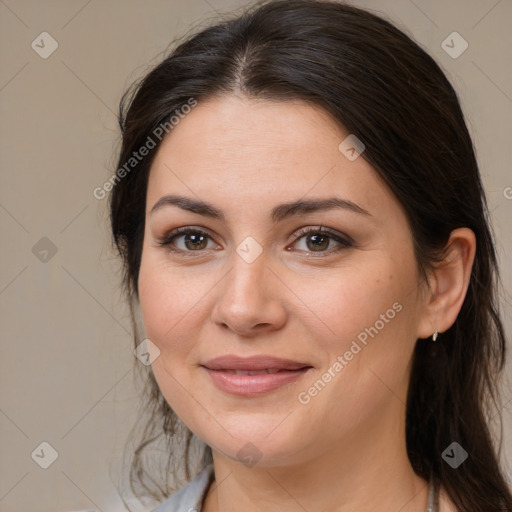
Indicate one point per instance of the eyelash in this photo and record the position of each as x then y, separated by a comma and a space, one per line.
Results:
345, 242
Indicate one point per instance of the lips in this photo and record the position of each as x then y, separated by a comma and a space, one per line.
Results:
254, 363
253, 372
252, 376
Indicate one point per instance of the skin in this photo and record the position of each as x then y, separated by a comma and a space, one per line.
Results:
345, 449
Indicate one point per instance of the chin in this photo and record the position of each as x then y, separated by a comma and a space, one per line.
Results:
261, 449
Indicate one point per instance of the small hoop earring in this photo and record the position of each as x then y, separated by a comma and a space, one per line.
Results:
434, 336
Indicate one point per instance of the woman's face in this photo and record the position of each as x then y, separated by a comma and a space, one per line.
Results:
334, 316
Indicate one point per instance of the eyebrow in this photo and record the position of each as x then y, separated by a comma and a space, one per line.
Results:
278, 213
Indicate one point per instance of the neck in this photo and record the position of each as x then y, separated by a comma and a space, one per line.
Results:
367, 471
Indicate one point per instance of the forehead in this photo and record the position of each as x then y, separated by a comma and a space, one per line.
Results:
228, 126
233, 149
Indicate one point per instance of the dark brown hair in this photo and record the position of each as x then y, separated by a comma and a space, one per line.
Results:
381, 86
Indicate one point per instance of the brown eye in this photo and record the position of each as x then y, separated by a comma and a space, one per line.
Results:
194, 241
186, 240
316, 242
319, 240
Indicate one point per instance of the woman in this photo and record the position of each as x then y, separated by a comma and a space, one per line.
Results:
302, 224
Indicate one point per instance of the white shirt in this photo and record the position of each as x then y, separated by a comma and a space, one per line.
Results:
191, 497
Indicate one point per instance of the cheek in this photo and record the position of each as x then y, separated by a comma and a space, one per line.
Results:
348, 302
167, 301
167, 304
368, 320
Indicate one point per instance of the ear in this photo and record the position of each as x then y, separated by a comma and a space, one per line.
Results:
448, 281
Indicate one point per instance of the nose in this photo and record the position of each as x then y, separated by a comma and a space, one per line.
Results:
250, 299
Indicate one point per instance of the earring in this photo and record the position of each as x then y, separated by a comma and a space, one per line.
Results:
434, 336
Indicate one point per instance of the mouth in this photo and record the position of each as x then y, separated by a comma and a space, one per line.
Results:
253, 376
254, 372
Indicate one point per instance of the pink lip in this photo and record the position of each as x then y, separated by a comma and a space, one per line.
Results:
222, 372
264, 362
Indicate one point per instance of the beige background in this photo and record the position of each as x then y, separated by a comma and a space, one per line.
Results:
66, 365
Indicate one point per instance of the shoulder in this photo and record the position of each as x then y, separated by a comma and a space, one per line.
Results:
445, 503
190, 498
